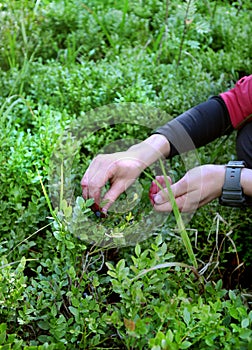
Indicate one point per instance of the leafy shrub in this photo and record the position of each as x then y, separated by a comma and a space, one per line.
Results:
181, 315
59, 61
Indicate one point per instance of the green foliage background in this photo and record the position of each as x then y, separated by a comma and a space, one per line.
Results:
58, 60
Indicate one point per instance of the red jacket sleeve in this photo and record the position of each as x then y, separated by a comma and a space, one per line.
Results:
239, 101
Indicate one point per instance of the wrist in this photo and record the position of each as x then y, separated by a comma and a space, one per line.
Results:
237, 185
218, 178
150, 150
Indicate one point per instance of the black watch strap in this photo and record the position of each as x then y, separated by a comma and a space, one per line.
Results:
232, 193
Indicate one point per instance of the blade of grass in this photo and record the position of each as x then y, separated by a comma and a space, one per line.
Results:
181, 227
4, 113
125, 10
16, 262
61, 184
47, 198
27, 238
168, 264
180, 223
103, 27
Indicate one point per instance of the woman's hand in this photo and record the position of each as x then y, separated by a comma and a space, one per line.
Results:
155, 187
121, 169
196, 188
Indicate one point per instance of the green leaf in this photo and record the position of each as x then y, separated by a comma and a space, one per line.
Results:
137, 250
22, 264
120, 265
72, 272
170, 336
74, 311
245, 323
3, 328
112, 274
186, 316
185, 345
58, 236
63, 205
89, 202
70, 245
68, 211
232, 295
245, 334
44, 325
110, 266
79, 202
54, 310
159, 240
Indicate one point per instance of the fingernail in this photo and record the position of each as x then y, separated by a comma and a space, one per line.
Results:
158, 199
104, 211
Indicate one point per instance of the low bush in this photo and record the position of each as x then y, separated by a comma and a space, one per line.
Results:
83, 77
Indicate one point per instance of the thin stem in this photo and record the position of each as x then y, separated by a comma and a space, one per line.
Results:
184, 33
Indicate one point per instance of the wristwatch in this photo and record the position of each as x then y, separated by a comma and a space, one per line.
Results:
232, 192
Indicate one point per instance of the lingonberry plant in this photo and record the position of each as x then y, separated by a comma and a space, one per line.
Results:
70, 279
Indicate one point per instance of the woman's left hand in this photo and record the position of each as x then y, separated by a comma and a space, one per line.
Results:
196, 188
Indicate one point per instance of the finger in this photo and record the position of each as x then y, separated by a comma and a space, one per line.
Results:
186, 196
178, 189
95, 178
85, 192
184, 203
113, 193
84, 185
164, 207
90, 188
167, 206
161, 197
152, 191
161, 180
155, 188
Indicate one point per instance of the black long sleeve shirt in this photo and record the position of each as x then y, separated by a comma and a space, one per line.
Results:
198, 126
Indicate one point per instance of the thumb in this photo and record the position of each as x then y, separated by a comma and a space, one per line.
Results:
155, 186
180, 192
160, 195
179, 188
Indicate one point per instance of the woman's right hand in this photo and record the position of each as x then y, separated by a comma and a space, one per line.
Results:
121, 169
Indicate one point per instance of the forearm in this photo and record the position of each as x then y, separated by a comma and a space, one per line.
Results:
246, 181
197, 126
192, 129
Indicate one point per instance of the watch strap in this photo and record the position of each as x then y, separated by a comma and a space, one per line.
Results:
232, 192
